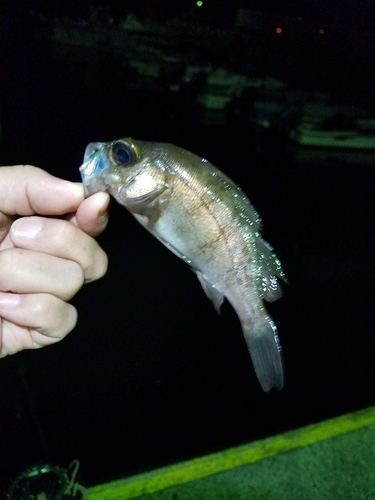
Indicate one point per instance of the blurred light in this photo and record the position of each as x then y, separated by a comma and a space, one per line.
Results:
279, 30
199, 3
321, 31
299, 18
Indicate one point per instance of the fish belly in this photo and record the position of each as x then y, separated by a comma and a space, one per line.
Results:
215, 248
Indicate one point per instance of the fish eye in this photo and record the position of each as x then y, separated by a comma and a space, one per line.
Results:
122, 156
125, 153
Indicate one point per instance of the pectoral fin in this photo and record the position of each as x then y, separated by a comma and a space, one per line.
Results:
211, 291
147, 197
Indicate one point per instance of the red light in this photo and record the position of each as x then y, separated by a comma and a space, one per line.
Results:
279, 30
321, 32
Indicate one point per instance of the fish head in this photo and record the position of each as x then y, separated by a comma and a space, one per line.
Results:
126, 169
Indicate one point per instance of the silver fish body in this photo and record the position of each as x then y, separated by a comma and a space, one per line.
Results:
202, 216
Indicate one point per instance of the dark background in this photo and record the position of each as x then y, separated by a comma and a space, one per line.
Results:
152, 375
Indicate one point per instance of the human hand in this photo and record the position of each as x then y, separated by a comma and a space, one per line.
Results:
47, 252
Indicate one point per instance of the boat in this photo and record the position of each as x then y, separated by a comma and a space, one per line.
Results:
222, 86
339, 129
334, 135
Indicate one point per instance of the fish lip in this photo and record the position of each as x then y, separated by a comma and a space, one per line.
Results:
88, 167
90, 160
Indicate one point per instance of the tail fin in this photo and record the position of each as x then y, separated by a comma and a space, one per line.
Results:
265, 351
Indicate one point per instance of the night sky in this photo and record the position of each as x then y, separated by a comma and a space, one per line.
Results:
152, 375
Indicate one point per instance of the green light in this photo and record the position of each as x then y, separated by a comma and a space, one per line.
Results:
199, 3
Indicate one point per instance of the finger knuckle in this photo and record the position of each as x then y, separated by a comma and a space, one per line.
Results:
75, 277
70, 279
97, 264
65, 236
102, 265
69, 319
10, 265
56, 317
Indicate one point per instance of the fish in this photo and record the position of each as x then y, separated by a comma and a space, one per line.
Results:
204, 218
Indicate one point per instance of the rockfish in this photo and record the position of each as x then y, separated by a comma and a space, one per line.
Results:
203, 217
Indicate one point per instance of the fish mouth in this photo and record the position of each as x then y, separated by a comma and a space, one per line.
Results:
87, 170
88, 166
94, 162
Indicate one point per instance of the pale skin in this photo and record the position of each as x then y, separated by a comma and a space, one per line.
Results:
47, 252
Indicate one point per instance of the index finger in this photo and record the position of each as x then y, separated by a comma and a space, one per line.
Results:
28, 190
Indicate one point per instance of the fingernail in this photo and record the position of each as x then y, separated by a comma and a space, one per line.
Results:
9, 299
26, 227
104, 212
103, 201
